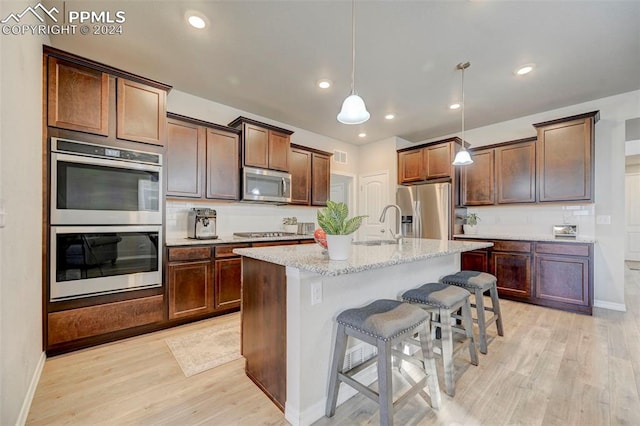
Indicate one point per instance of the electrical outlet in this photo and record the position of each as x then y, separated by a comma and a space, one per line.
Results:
316, 292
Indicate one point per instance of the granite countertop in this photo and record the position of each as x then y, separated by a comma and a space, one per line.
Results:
230, 239
543, 237
312, 258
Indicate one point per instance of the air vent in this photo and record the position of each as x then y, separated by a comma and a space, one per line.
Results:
339, 157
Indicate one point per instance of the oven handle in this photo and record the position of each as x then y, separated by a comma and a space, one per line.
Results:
81, 159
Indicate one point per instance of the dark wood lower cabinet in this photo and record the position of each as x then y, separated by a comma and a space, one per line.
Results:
264, 327
228, 283
554, 274
190, 288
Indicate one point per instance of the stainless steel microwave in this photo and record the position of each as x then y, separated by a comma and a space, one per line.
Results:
267, 186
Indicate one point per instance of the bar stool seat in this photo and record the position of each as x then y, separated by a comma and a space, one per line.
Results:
445, 300
479, 283
383, 323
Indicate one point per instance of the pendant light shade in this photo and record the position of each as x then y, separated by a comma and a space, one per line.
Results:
353, 109
462, 157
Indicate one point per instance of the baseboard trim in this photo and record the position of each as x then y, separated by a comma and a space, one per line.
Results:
28, 399
610, 305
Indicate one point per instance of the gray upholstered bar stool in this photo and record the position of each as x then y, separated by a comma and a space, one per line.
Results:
445, 300
479, 283
383, 323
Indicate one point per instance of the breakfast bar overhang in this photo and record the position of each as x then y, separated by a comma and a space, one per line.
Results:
292, 294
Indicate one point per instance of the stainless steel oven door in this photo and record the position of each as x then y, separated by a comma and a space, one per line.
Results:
93, 260
88, 191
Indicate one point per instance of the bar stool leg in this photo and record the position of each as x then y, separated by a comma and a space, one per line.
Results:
468, 327
447, 351
430, 366
385, 388
495, 301
482, 326
337, 364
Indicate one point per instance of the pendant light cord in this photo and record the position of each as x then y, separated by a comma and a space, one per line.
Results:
353, 47
463, 147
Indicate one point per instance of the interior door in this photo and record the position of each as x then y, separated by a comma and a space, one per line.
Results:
632, 202
374, 195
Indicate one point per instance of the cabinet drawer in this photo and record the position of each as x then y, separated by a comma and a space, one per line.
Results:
227, 250
274, 243
189, 253
517, 246
564, 249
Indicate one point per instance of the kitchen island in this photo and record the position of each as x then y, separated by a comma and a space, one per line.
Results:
292, 294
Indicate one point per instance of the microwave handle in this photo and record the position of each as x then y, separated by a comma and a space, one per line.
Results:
284, 186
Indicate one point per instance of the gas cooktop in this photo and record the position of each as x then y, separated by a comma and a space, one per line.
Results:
263, 234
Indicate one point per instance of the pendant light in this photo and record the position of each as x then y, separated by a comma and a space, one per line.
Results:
462, 157
353, 109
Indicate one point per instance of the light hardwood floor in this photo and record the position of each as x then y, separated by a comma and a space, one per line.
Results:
550, 368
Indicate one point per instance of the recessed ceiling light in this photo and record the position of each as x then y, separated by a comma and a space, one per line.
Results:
389, 117
525, 69
362, 135
324, 83
454, 106
196, 19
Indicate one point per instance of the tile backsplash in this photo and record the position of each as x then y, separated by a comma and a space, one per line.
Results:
235, 217
535, 219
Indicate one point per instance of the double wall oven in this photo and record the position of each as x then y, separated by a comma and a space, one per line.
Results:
106, 220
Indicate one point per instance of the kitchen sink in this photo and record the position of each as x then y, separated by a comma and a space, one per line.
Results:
374, 243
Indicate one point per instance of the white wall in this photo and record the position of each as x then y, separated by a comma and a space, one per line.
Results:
21, 355
235, 217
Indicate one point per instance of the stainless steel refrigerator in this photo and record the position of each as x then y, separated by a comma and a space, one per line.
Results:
426, 210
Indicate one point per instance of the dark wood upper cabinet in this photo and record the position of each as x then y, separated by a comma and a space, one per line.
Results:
202, 159
78, 97
438, 161
320, 176
140, 112
300, 169
310, 175
478, 179
411, 166
565, 158
263, 146
222, 165
183, 165
516, 172
427, 162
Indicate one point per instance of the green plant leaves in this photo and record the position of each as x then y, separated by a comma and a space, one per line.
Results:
333, 219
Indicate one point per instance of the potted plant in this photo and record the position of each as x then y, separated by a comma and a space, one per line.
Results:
470, 222
339, 229
290, 224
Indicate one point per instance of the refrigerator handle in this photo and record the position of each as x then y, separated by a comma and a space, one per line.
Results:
417, 220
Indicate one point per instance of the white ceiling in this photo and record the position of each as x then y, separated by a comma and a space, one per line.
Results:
266, 56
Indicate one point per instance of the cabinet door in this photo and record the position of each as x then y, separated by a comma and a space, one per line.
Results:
228, 283
515, 173
141, 112
563, 279
565, 161
300, 164
513, 272
256, 146
411, 166
184, 161
223, 172
190, 288
478, 180
78, 97
320, 176
476, 260
438, 161
279, 146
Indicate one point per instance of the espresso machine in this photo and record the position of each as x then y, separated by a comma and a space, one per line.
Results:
202, 224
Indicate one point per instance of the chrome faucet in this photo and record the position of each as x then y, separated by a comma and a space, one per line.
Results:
398, 234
